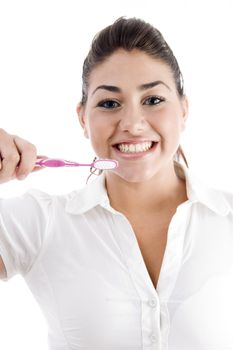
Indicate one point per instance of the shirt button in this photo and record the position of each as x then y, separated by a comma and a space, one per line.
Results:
153, 338
152, 303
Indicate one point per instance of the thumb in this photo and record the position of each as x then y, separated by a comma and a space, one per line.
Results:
38, 167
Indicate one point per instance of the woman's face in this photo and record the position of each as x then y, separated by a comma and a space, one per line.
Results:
124, 107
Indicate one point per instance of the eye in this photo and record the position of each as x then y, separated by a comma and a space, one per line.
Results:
108, 104
111, 104
154, 100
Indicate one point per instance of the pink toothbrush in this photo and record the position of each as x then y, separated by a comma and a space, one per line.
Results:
103, 164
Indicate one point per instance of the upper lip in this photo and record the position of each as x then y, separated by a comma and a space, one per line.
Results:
133, 141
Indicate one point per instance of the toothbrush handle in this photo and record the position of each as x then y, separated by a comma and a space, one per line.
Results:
55, 163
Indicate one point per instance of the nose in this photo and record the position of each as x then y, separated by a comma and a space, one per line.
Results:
133, 121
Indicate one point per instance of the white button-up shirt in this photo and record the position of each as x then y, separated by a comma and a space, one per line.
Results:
81, 260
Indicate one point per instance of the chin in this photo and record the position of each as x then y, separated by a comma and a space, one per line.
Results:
135, 177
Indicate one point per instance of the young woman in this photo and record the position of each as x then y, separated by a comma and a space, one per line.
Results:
141, 257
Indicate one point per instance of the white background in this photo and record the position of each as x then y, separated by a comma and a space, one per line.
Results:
42, 47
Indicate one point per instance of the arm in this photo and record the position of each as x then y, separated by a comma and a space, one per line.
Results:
17, 158
2, 269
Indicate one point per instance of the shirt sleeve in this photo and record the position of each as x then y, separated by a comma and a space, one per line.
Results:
23, 230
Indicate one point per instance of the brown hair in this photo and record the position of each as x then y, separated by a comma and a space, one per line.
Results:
129, 34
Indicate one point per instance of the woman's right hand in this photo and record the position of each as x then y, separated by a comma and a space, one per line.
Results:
17, 157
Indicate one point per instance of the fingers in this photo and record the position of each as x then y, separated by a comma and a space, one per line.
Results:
17, 157
28, 155
9, 156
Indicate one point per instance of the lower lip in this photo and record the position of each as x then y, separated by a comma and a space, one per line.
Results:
136, 155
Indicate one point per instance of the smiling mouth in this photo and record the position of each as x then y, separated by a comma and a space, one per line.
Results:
125, 153
135, 148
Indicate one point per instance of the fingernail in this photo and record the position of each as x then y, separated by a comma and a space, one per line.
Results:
22, 177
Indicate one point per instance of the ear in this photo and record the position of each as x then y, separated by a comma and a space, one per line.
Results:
82, 120
185, 109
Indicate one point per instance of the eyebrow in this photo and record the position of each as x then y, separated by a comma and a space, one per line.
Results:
140, 87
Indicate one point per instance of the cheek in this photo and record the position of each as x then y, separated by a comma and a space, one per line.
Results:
99, 132
167, 122
101, 125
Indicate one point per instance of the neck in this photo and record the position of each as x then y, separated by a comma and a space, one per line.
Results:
158, 194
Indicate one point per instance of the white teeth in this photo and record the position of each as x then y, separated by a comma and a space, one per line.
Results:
134, 148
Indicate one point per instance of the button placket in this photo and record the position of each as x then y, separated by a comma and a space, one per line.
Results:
153, 338
152, 303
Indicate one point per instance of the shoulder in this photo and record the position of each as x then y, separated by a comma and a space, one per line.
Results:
42, 197
222, 199
217, 200
34, 201
228, 196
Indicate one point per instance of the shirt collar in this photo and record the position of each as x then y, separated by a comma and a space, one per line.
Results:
95, 193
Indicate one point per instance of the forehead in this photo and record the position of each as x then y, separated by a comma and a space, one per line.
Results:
132, 67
